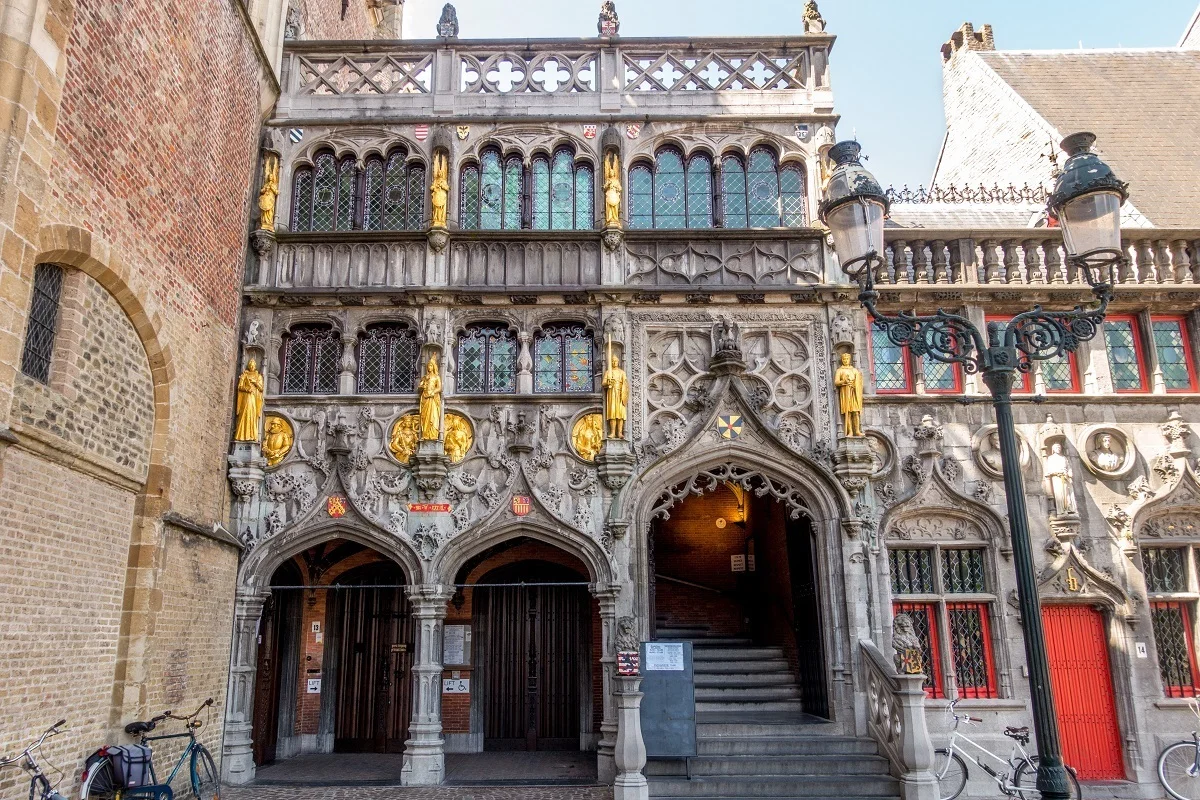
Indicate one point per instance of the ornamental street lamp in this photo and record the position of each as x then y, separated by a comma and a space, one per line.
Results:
1087, 202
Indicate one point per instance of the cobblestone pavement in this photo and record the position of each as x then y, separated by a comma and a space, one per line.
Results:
423, 793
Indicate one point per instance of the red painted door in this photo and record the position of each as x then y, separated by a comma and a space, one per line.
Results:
1083, 691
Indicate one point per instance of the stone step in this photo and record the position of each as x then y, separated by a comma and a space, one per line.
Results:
711, 744
777, 786
744, 678
741, 725
734, 667
753, 766
794, 706
753, 693
714, 642
703, 654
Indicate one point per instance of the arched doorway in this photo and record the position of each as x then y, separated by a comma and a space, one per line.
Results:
737, 575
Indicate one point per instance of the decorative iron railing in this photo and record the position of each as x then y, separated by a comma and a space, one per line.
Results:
968, 194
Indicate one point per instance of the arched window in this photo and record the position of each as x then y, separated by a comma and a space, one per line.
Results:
323, 195
487, 360
562, 359
394, 192
761, 195
562, 193
312, 356
387, 360
673, 196
491, 193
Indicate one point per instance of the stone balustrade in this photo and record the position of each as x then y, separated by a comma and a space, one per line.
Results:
896, 721
1029, 257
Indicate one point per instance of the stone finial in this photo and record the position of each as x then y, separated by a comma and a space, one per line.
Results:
447, 26
813, 21
965, 38
608, 24
928, 435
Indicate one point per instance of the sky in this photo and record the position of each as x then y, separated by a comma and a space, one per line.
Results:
886, 64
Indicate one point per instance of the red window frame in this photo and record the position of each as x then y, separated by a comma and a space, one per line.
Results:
1139, 347
1182, 607
937, 687
985, 631
905, 360
1073, 365
1187, 347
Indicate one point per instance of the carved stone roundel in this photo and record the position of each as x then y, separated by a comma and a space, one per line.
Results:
587, 435
1106, 451
985, 447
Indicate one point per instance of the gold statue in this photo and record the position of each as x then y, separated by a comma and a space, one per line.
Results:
249, 404
849, 383
616, 396
430, 389
588, 435
277, 442
269, 193
403, 441
612, 191
439, 188
458, 437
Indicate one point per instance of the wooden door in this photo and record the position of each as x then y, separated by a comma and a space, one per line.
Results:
371, 646
1081, 677
534, 657
265, 729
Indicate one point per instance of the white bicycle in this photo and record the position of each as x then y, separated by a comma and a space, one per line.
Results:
1015, 777
1179, 764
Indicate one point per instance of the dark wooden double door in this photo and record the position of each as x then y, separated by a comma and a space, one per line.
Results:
533, 662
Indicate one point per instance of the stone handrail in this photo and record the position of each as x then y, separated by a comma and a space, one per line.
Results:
896, 721
1029, 256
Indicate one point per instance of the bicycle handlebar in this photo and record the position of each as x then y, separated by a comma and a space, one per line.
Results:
53, 730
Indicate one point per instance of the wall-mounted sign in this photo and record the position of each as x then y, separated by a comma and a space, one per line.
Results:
456, 645
1140, 650
737, 563
664, 656
456, 686
429, 508
521, 504
314, 685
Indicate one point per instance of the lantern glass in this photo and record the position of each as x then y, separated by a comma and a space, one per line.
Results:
857, 228
1092, 222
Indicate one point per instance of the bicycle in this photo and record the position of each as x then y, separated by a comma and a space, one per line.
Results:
1179, 764
202, 771
39, 784
951, 770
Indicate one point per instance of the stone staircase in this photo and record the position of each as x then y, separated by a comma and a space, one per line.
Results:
753, 738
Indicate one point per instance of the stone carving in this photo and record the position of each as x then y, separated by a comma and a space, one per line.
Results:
849, 383
886, 492
934, 529
914, 469
459, 437
447, 26
1176, 431
928, 435
883, 453
404, 437
749, 480
685, 66
985, 491
430, 391
951, 468
985, 446
587, 436
525, 263
1106, 451
439, 188
244, 488
725, 262
249, 404
291, 26
612, 189
841, 331
521, 432
813, 21
1139, 489
1174, 513
559, 71
725, 337
1165, 468
907, 645
627, 639
1060, 482
278, 440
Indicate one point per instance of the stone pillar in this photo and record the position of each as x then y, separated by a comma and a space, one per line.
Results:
630, 751
237, 762
606, 766
524, 364
424, 754
246, 475
348, 381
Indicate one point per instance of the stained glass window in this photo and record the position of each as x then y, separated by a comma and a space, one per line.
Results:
562, 193
672, 196
1172, 626
733, 192
1164, 569
487, 359
325, 193
347, 184
492, 192
1170, 344
469, 201
394, 194
939, 376
1058, 373
387, 360
762, 189
1124, 362
562, 359
312, 357
302, 199
699, 192
925, 627
911, 571
585, 198
792, 196
641, 197
762, 196
43, 322
541, 193
970, 644
670, 191
889, 361
514, 175
963, 571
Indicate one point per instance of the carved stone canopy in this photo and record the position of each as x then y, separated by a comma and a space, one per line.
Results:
936, 511
1175, 514
1070, 578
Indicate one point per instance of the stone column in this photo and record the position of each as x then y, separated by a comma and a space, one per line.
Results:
606, 767
424, 756
630, 752
348, 380
524, 364
237, 762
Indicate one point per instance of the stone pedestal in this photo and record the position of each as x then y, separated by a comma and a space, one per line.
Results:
429, 467
854, 461
246, 474
237, 762
615, 462
1065, 527
630, 750
606, 764
424, 751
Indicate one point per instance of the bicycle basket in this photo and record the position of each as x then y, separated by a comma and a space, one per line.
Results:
131, 765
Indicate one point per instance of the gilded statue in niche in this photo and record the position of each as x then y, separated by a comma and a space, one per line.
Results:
616, 396
612, 191
587, 435
249, 404
269, 193
277, 442
430, 389
405, 434
439, 188
849, 382
458, 437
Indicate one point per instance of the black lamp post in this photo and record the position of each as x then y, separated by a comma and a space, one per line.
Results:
1087, 202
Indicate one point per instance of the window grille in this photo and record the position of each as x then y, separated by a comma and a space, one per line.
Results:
1124, 358
963, 571
486, 360
1176, 652
924, 626
562, 359
43, 322
970, 644
387, 360
311, 360
911, 571
1165, 569
1170, 344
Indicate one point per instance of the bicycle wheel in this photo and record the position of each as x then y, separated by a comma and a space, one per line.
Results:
1178, 772
1025, 780
951, 773
205, 783
98, 782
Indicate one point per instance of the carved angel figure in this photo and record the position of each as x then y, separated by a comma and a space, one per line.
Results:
612, 191
439, 189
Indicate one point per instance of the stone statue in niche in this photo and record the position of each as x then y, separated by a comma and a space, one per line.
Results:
439, 188
616, 398
269, 193
1060, 482
1103, 455
727, 338
430, 390
612, 191
849, 382
907, 645
249, 404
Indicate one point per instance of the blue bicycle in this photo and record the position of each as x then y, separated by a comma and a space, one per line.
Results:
101, 783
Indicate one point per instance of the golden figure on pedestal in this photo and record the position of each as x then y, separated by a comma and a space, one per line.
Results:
439, 189
430, 389
277, 442
458, 437
587, 435
849, 383
403, 441
612, 191
249, 404
616, 396
269, 193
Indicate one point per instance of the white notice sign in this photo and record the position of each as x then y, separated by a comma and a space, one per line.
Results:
737, 563
456, 686
314, 686
664, 656
456, 644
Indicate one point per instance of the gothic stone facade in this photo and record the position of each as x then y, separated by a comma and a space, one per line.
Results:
729, 328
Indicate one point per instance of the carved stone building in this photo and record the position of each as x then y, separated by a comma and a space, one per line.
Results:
452, 202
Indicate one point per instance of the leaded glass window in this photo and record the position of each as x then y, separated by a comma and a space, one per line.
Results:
792, 196
1165, 569
491, 193
675, 195
469, 201
1170, 344
302, 199
585, 197
761, 195
963, 571
970, 645
733, 192
312, 356
939, 376
699, 192
641, 197
324, 195
562, 359
487, 360
394, 194
1173, 639
387, 360
562, 193
541, 193
889, 362
1058, 373
762, 189
43, 322
911, 571
1124, 359
670, 191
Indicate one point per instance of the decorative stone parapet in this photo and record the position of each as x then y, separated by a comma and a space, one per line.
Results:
630, 750
896, 721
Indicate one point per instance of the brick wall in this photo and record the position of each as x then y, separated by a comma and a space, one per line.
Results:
312, 661
326, 19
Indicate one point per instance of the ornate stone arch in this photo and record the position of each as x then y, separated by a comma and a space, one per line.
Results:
1173, 514
1069, 578
936, 511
